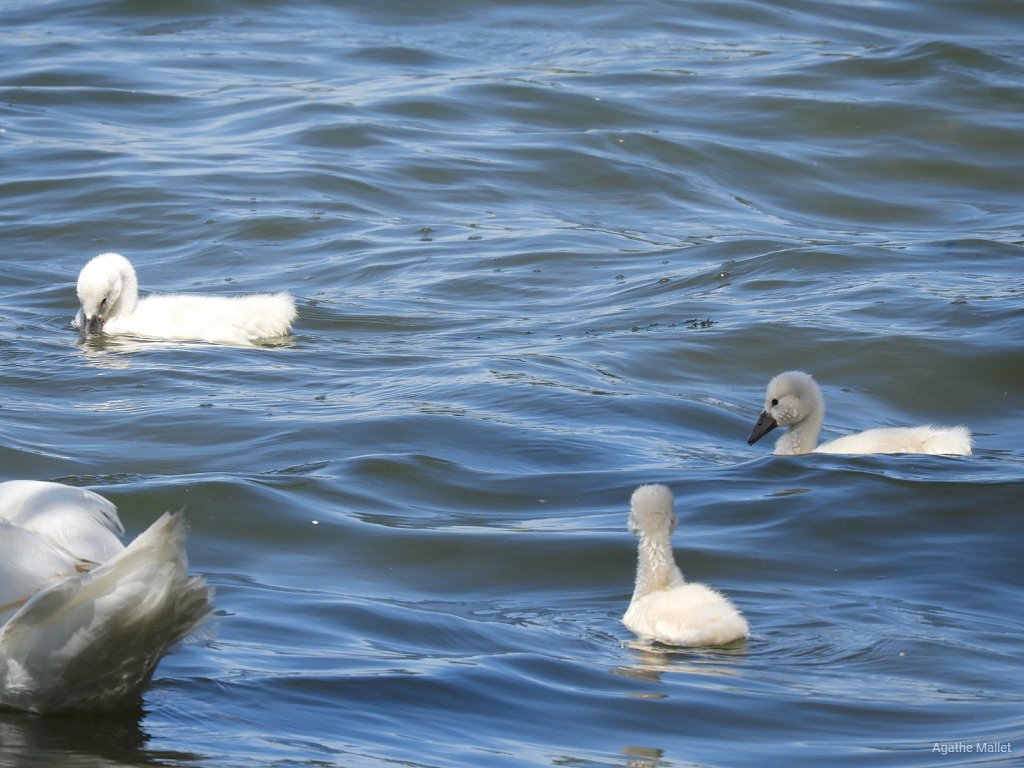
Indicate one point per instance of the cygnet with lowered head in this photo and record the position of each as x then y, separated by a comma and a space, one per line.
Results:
109, 292
665, 607
794, 401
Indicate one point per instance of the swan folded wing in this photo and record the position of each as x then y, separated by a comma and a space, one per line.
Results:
28, 563
75, 520
93, 640
949, 441
223, 319
692, 614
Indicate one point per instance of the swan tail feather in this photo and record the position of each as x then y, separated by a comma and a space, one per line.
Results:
93, 641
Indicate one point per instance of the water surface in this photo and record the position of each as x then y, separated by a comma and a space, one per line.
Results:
543, 253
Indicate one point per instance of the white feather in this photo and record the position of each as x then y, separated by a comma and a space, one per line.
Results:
665, 607
108, 291
81, 629
794, 400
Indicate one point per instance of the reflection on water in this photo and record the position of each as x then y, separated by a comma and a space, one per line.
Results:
116, 351
31, 740
652, 661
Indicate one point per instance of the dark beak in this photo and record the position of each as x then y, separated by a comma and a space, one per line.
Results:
764, 425
93, 324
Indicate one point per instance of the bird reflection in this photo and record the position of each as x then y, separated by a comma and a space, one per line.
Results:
652, 660
78, 738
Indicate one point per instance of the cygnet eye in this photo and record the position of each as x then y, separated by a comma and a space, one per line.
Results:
775, 401
103, 303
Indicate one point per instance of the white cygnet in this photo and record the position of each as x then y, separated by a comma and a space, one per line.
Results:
109, 292
665, 607
794, 400
83, 619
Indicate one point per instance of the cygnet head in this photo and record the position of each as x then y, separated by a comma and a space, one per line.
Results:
107, 287
791, 398
650, 512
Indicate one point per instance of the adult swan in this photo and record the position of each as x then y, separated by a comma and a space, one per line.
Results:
84, 620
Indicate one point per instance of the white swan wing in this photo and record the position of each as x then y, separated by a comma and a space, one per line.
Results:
949, 441
28, 563
218, 319
691, 614
74, 520
93, 640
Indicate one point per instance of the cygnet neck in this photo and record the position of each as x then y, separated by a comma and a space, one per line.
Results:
128, 297
802, 437
656, 568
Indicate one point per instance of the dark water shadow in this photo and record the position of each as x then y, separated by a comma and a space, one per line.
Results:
80, 741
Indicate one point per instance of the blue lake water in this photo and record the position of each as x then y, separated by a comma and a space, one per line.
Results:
543, 253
